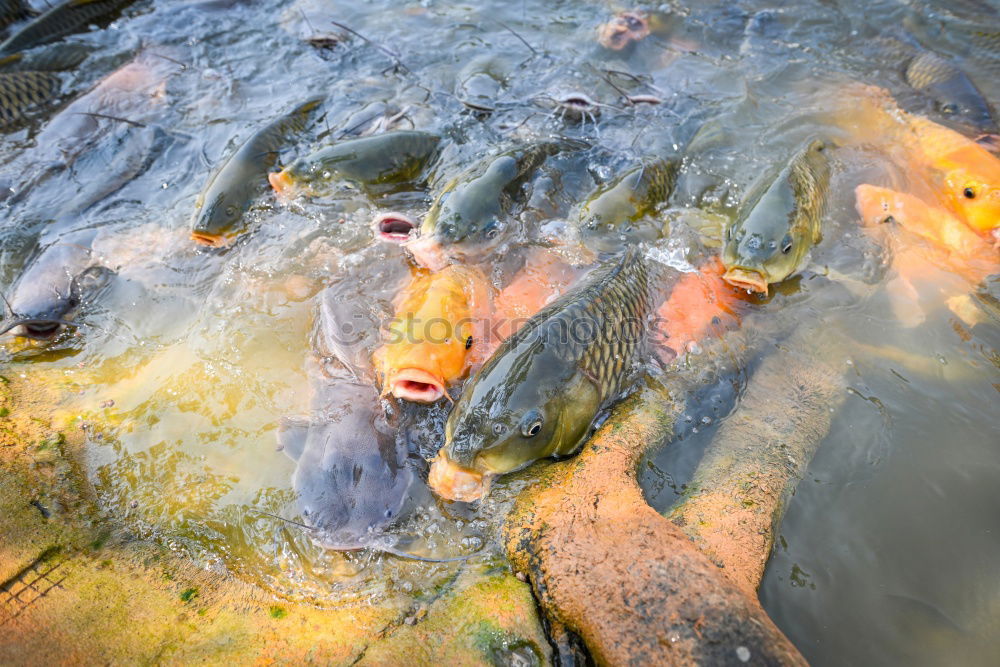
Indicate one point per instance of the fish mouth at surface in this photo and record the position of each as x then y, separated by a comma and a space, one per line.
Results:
393, 227
453, 482
35, 329
212, 240
747, 279
416, 385
281, 182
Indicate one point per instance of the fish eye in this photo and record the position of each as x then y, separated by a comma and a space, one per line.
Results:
949, 108
969, 192
468, 342
492, 230
230, 211
531, 424
786, 245
498, 429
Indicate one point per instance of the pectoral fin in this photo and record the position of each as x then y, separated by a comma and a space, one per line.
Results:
292, 432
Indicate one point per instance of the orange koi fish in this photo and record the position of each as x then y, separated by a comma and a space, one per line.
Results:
969, 172
438, 333
700, 304
956, 244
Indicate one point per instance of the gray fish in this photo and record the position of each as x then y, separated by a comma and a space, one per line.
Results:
231, 190
58, 58
953, 92
20, 91
379, 160
65, 19
56, 282
470, 215
541, 391
351, 478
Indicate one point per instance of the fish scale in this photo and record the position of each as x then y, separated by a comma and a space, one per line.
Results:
21, 90
542, 389
13, 10
58, 22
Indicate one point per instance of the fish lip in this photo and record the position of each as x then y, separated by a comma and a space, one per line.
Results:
384, 227
282, 183
35, 329
428, 253
416, 385
451, 481
211, 240
748, 279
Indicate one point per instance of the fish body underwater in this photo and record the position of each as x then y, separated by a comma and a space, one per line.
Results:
778, 222
63, 19
540, 392
379, 160
954, 94
351, 477
232, 189
616, 206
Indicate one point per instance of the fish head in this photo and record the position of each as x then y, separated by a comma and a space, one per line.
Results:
52, 288
350, 483
975, 198
525, 404
776, 227
467, 218
759, 254
217, 217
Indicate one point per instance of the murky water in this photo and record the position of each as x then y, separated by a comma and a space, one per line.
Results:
188, 357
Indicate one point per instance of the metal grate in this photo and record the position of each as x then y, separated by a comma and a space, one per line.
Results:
31, 584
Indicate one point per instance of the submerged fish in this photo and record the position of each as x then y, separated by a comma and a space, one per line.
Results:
963, 250
54, 284
969, 173
351, 479
19, 91
392, 157
540, 392
700, 304
436, 334
953, 92
779, 221
471, 213
12, 11
57, 58
61, 20
614, 206
231, 190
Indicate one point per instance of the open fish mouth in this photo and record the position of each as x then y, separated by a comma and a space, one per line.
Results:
393, 227
36, 329
211, 240
747, 279
453, 482
282, 183
416, 385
